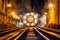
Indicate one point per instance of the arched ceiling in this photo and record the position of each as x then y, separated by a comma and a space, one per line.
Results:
32, 4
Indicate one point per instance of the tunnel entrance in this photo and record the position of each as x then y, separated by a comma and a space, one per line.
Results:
32, 12
30, 19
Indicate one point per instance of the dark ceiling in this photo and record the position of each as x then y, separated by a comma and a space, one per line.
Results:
35, 4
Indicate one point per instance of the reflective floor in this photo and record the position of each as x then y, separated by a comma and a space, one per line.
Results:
29, 33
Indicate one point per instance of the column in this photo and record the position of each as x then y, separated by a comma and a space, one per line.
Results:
53, 11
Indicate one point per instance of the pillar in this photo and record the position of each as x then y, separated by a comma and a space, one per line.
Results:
53, 12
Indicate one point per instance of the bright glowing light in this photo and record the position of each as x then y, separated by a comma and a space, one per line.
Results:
25, 22
27, 14
13, 13
30, 19
52, 15
32, 24
36, 21
28, 24
45, 13
24, 17
32, 13
50, 5
20, 24
35, 16
43, 20
9, 5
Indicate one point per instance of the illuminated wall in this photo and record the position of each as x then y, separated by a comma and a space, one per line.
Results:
0, 5
59, 11
53, 11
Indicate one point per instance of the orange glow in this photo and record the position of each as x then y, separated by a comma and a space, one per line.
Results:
30, 19
51, 14
45, 13
14, 15
50, 5
9, 5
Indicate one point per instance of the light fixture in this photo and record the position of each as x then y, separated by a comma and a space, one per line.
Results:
50, 5
9, 5
30, 19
